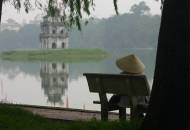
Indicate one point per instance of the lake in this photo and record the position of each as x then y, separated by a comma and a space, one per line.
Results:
61, 84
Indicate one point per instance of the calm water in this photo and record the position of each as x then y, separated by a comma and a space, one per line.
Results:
60, 84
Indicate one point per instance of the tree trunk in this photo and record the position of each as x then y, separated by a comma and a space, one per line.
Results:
1, 6
168, 106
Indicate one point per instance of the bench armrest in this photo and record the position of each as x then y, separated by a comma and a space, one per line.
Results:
96, 102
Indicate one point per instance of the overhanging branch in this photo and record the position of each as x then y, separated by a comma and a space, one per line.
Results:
1, 4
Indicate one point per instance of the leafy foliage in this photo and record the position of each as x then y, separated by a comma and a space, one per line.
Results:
140, 9
71, 11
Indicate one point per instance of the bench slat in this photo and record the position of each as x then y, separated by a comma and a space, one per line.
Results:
123, 84
96, 102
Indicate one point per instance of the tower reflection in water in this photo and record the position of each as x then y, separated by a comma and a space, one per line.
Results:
54, 78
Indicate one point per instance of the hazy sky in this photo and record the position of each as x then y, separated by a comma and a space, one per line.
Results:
103, 9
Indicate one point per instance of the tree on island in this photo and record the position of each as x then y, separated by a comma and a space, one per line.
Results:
168, 106
140, 8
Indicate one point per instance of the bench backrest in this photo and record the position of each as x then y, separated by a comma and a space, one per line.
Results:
125, 84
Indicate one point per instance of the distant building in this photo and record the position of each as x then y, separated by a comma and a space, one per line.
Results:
10, 25
53, 33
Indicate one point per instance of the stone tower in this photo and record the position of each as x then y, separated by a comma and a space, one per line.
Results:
53, 33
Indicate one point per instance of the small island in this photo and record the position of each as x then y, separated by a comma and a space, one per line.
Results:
64, 55
54, 46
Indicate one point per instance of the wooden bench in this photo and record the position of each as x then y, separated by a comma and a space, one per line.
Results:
121, 84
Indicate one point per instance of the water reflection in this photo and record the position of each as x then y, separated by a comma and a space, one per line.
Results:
54, 81
59, 84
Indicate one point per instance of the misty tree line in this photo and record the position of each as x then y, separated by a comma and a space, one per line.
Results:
124, 31
136, 29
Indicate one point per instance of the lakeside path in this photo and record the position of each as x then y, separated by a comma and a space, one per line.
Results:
66, 114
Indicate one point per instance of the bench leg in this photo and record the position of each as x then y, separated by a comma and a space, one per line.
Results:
134, 113
104, 114
122, 114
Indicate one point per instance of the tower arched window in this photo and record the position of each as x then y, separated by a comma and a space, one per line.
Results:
54, 45
63, 66
54, 31
63, 44
54, 66
62, 79
62, 31
54, 80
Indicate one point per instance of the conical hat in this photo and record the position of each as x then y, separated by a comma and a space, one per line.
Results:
131, 64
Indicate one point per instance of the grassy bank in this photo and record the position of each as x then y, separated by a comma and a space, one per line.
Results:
64, 55
12, 118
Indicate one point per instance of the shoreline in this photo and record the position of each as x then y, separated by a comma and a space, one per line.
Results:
64, 55
66, 114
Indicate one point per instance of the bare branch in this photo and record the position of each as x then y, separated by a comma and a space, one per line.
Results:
1, 4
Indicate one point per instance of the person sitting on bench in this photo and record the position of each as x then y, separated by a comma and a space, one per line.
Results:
132, 65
